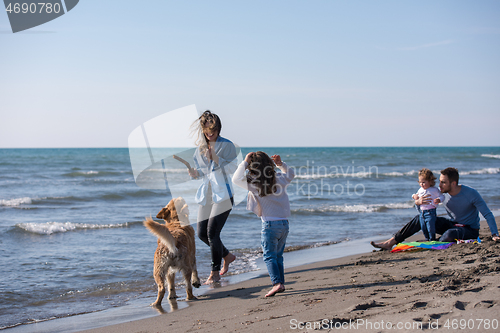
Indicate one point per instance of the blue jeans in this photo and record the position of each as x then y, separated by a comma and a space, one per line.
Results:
428, 223
447, 228
273, 239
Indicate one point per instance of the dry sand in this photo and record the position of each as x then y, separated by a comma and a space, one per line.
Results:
457, 289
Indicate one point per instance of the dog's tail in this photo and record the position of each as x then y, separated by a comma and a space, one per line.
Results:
161, 231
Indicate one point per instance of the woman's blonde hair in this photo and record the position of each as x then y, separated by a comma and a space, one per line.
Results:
261, 173
207, 121
428, 175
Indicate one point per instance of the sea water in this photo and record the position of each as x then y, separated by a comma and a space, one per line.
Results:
72, 239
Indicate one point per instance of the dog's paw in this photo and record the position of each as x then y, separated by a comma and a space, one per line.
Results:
172, 296
197, 284
191, 298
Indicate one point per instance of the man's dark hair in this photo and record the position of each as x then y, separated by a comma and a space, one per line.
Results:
451, 173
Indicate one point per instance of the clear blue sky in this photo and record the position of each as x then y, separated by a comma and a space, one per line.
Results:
279, 73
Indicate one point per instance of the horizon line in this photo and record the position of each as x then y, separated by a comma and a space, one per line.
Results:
460, 146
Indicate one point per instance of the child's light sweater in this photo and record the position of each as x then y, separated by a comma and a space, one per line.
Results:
434, 193
271, 207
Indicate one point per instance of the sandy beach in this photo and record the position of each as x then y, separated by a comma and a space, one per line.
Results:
445, 290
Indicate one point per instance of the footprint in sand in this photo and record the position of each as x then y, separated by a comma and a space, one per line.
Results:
460, 305
430, 316
419, 305
437, 315
484, 304
341, 321
365, 306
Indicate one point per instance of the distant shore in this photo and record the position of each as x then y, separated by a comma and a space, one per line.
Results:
444, 290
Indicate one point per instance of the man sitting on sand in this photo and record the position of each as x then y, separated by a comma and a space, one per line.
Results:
463, 204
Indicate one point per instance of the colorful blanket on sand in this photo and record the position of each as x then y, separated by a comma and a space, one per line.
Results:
434, 245
415, 246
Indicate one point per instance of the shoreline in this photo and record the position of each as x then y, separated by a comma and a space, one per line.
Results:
425, 287
139, 309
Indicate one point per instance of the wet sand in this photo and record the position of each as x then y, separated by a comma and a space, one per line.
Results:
457, 289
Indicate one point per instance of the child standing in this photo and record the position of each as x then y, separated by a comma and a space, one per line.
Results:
268, 199
427, 180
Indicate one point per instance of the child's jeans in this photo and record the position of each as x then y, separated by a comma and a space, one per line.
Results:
273, 239
428, 223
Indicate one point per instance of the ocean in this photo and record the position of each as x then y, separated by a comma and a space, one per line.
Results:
71, 234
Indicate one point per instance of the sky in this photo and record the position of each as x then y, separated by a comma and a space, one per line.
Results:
278, 73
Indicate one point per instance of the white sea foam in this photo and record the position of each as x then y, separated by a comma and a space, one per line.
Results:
481, 171
82, 173
93, 173
392, 174
400, 205
336, 175
490, 156
362, 208
313, 176
16, 202
183, 170
359, 174
400, 174
56, 227
247, 262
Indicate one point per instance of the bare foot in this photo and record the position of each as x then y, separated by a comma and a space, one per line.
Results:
227, 260
277, 288
213, 278
387, 245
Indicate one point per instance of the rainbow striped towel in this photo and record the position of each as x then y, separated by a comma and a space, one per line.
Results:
416, 246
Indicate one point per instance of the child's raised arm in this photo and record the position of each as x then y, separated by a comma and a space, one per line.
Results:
277, 160
239, 177
288, 173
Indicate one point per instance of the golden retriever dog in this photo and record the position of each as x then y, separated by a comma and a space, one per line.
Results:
176, 249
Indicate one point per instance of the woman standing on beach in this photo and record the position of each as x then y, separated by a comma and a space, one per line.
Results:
215, 160
268, 199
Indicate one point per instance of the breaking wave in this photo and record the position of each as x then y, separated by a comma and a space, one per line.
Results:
87, 174
356, 175
16, 202
481, 172
355, 208
490, 155
389, 174
58, 227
